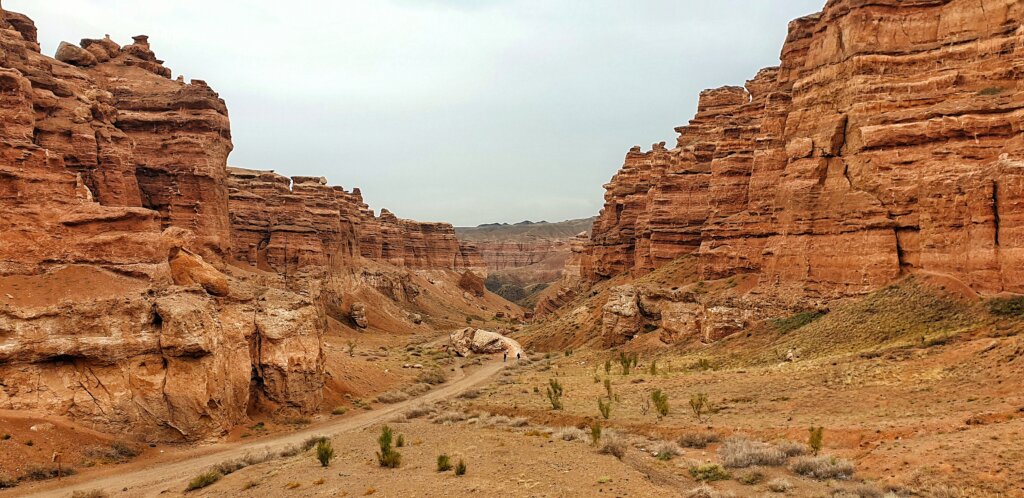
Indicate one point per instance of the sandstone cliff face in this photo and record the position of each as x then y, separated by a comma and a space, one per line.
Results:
114, 304
888, 141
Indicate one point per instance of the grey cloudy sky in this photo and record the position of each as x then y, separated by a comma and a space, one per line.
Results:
466, 111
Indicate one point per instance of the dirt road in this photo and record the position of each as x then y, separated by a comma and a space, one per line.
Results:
150, 478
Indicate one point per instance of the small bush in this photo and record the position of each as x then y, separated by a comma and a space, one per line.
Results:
555, 392
595, 433
518, 422
791, 448
339, 410
608, 387
230, 466
823, 467
605, 408
1011, 306
460, 468
789, 324
324, 453
779, 485
660, 400
290, 451
751, 478
432, 377
400, 442
698, 440
742, 453
387, 456
48, 471
417, 389
607, 367
444, 463
815, 440
419, 411
470, 394
392, 397
203, 480
701, 407
665, 451
614, 444
96, 493
570, 434
709, 472
7, 481
312, 441
628, 362
705, 491
654, 368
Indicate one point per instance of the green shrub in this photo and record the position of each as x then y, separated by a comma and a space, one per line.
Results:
595, 433
608, 387
816, 438
312, 441
555, 392
444, 463
751, 478
660, 400
203, 480
709, 472
460, 468
433, 377
324, 453
628, 361
791, 323
701, 407
387, 456
1009, 306
339, 410
605, 407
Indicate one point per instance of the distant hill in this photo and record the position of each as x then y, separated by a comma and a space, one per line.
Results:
525, 230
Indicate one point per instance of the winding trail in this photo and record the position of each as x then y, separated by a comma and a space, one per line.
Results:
172, 472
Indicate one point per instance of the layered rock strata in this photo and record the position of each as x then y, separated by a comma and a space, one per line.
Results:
887, 141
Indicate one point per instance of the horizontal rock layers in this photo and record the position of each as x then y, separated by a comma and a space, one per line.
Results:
887, 141
144, 286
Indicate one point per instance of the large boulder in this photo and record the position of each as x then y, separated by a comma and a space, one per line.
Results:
359, 315
75, 55
188, 268
470, 340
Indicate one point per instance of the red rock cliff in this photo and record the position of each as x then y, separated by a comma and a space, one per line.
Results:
888, 141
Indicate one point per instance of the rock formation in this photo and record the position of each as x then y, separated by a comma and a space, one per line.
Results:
146, 287
469, 340
888, 141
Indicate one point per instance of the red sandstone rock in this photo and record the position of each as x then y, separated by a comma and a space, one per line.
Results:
888, 141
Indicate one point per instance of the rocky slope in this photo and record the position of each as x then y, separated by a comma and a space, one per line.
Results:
524, 258
887, 142
147, 288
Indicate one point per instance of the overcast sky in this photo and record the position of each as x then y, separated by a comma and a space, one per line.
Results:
466, 111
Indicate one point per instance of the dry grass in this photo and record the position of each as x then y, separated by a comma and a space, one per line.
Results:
823, 467
449, 417
779, 485
665, 450
392, 397
419, 411
203, 480
571, 434
432, 377
741, 453
705, 491
95, 493
697, 440
791, 448
614, 444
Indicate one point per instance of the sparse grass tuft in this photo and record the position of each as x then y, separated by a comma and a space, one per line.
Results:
324, 453
433, 377
791, 448
339, 410
448, 417
705, 491
392, 397
665, 451
751, 478
595, 433
570, 434
470, 394
460, 468
203, 480
444, 463
779, 485
823, 467
742, 453
312, 441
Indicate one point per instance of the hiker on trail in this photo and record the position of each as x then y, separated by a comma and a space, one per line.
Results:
505, 357
518, 353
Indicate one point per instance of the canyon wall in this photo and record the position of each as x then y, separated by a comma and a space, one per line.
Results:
888, 141
144, 286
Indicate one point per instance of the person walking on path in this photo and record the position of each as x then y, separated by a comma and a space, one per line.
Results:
504, 358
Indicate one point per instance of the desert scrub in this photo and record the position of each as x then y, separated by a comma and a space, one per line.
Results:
608, 387
387, 456
312, 441
701, 407
708, 472
791, 448
324, 453
660, 400
791, 323
339, 410
741, 453
433, 377
699, 440
444, 463
823, 467
448, 417
570, 434
392, 397
705, 491
815, 439
779, 485
665, 451
203, 480
595, 433
400, 441
48, 471
555, 391
470, 394
750, 478
605, 408
460, 468
1009, 306
614, 444
628, 361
